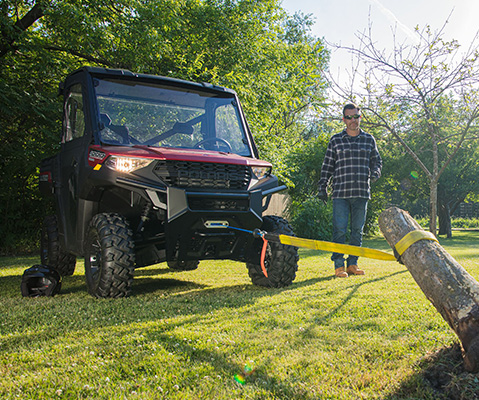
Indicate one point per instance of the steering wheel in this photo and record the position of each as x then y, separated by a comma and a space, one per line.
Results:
221, 143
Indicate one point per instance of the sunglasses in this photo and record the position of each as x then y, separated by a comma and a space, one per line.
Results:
355, 116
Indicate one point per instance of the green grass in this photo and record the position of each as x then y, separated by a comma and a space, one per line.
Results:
185, 335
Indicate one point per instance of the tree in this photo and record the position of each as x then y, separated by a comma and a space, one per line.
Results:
424, 89
254, 47
457, 182
407, 187
11, 31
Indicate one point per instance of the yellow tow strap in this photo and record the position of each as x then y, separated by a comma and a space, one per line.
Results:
411, 238
336, 248
401, 246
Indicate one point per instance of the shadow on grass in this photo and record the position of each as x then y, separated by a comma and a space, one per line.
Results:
271, 386
441, 375
141, 286
460, 238
354, 289
152, 271
10, 285
145, 286
15, 262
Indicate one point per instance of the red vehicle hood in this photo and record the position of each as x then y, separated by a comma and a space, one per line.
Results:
193, 155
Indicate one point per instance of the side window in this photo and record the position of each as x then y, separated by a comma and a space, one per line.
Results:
74, 118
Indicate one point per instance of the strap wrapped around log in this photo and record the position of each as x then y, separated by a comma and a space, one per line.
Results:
409, 239
450, 288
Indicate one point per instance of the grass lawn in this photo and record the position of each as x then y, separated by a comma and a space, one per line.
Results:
210, 334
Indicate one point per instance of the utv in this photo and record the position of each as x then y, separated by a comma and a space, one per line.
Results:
154, 169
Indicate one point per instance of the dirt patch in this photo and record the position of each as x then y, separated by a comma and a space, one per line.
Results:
440, 376
444, 373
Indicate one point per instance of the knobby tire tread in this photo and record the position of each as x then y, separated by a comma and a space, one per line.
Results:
281, 261
51, 252
117, 256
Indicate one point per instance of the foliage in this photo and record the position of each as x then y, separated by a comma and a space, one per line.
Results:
29, 126
305, 166
309, 217
185, 335
376, 206
407, 186
424, 95
457, 182
465, 223
456, 222
312, 219
254, 47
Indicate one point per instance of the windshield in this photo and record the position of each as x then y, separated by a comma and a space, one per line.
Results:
133, 113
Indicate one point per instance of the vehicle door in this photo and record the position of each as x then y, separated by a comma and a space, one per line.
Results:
73, 149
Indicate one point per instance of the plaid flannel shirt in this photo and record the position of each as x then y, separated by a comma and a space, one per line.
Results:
351, 162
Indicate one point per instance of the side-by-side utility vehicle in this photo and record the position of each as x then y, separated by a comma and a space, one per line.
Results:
154, 169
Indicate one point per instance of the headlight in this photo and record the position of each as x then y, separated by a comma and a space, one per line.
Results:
126, 164
261, 172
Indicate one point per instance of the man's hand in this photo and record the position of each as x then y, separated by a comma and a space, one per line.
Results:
323, 196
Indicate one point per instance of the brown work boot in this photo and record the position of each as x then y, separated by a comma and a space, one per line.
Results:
340, 273
354, 270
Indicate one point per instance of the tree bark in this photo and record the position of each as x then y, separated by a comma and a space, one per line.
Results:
449, 287
444, 214
433, 207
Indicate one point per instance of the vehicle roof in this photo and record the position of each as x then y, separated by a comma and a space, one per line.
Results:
126, 74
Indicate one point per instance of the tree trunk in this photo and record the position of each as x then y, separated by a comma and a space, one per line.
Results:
444, 214
448, 286
433, 208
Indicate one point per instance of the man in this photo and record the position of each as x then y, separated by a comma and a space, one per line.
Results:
353, 162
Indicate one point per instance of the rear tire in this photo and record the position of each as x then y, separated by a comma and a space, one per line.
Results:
183, 265
281, 261
51, 252
109, 256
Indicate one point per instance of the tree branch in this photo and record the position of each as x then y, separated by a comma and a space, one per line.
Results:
87, 57
7, 43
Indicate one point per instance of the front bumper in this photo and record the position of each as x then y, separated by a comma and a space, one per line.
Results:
192, 230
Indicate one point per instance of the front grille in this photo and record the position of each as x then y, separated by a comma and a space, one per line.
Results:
209, 204
187, 174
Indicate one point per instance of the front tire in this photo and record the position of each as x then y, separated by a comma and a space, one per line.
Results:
51, 252
281, 261
109, 256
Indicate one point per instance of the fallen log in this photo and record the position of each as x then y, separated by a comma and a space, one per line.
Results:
449, 287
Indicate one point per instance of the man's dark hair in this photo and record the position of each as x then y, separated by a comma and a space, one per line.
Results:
351, 106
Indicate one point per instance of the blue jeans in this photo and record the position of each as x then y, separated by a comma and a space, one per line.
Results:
344, 211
